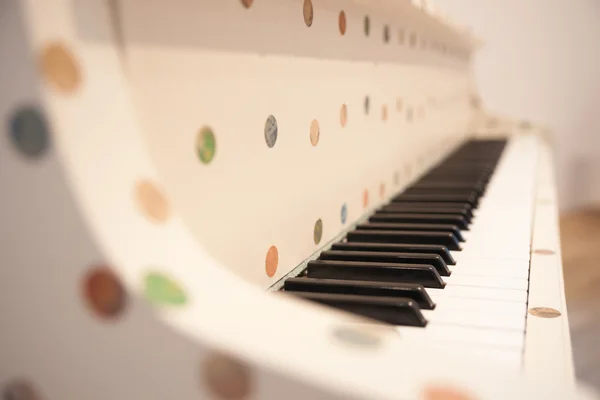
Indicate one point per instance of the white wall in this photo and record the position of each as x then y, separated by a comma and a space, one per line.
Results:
542, 62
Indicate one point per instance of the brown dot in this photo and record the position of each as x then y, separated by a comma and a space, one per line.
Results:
344, 115
342, 22
247, 3
366, 198
315, 132
544, 312
318, 231
59, 68
382, 190
445, 393
272, 261
151, 201
544, 252
384, 113
104, 293
226, 378
20, 390
399, 104
308, 12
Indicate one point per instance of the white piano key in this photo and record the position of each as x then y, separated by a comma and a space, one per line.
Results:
475, 318
471, 292
504, 357
437, 332
471, 304
458, 279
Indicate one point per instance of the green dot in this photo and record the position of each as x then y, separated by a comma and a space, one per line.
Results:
318, 231
206, 145
162, 290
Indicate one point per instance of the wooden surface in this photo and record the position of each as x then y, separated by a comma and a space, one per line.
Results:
580, 238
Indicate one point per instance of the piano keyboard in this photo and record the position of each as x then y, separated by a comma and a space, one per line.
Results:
446, 260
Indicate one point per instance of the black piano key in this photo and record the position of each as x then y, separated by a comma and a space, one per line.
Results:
407, 237
391, 310
362, 288
425, 275
385, 226
388, 257
436, 198
441, 251
454, 192
453, 219
478, 187
398, 209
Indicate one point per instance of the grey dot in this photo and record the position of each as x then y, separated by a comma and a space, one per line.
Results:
356, 337
271, 131
29, 132
367, 105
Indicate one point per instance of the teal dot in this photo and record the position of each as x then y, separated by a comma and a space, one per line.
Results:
29, 132
344, 213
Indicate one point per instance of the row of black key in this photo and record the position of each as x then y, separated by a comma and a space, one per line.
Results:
383, 267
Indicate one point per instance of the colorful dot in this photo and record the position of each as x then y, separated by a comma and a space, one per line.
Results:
386, 34
357, 338
544, 312
59, 68
247, 3
272, 261
367, 25
271, 131
344, 213
20, 390
315, 132
401, 36
367, 105
366, 198
163, 290
445, 393
151, 201
104, 292
409, 114
318, 231
227, 378
344, 115
308, 12
206, 145
384, 113
544, 252
399, 105
29, 132
342, 22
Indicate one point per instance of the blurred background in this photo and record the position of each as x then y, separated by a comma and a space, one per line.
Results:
541, 62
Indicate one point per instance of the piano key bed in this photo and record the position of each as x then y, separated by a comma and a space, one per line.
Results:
446, 260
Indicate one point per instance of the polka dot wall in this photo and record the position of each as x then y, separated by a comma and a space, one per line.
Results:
310, 147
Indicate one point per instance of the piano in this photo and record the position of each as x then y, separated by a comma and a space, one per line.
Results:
269, 199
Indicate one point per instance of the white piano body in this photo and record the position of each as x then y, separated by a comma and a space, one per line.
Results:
164, 164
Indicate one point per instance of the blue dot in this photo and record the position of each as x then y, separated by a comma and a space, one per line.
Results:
29, 132
271, 131
344, 213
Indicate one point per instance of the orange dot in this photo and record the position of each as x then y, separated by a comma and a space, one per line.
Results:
151, 201
384, 113
342, 22
366, 198
315, 132
382, 190
104, 292
272, 261
445, 393
399, 104
59, 68
344, 115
